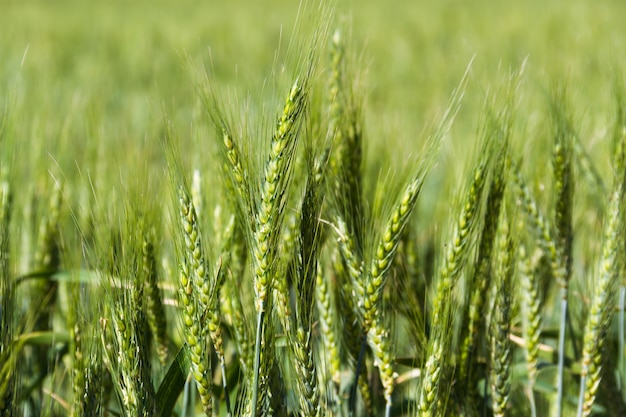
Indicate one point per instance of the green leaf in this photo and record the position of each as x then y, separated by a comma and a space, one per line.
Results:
173, 383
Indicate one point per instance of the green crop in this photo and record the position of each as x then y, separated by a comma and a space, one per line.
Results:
416, 210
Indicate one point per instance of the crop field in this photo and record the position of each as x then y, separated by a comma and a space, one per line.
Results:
349, 208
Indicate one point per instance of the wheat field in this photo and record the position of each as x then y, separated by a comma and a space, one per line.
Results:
314, 209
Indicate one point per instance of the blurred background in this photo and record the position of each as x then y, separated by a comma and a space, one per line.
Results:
109, 69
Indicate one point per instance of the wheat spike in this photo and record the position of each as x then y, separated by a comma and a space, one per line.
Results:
600, 311
501, 352
268, 223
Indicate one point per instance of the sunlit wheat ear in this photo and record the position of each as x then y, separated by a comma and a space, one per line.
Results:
309, 393
501, 352
269, 217
531, 319
352, 262
268, 220
498, 126
431, 375
237, 171
203, 285
348, 268
126, 358
196, 337
287, 249
328, 317
207, 283
370, 306
386, 251
379, 341
546, 240
458, 249
482, 273
601, 308
455, 256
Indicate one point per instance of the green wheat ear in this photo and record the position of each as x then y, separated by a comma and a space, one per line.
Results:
531, 309
601, 308
195, 296
267, 221
454, 260
370, 306
498, 127
345, 125
501, 350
